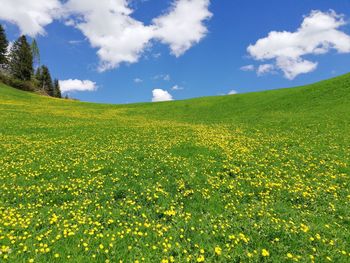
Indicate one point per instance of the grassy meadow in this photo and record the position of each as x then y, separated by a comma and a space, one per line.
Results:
258, 177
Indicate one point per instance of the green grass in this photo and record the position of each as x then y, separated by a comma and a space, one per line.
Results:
244, 178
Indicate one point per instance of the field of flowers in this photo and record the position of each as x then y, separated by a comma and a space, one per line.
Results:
244, 178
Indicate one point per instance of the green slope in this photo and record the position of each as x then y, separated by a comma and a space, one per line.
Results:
248, 177
333, 93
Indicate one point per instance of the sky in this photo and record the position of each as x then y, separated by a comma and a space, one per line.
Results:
120, 51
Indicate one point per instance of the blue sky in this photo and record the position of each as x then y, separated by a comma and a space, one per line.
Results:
210, 67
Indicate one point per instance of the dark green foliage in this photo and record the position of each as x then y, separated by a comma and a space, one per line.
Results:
57, 89
21, 60
38, 73
45, 81
16, 83
3, 46
19, 69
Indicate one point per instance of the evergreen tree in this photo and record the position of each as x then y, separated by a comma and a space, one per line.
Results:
36, 53
45, 81
21, 59
57, 89
3, 46
38, 73
38, 79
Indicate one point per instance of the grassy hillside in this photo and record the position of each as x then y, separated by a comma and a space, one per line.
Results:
250, 177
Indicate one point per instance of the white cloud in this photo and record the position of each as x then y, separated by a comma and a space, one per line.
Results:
161, 95
294, 67
183, 25
232, 92
318, 34
120, 38
77, 85
248, 68
265, 69
138, 80
109, 26
177, 87
30, 16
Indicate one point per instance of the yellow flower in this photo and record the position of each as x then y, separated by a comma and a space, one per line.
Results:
200, 258
289, 255
218, 251
304, 228
265, 253
57, 255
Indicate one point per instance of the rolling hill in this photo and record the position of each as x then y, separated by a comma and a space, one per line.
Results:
249, 177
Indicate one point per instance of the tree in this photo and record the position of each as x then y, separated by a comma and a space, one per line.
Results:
21, 59
45, 81
57, 89
36, 53
3, 46
38, 74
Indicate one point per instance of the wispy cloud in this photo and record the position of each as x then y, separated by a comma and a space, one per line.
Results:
75, 42
177, 87
165, 77
138, 80
248, 68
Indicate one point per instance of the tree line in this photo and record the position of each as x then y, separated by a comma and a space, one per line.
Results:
20, 67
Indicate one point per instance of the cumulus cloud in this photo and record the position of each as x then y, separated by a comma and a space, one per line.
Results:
138, 80
30, 16
109, 26
294, 67
70, 85
119, 38
161, 95
248, 68
183, 25
318, 34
